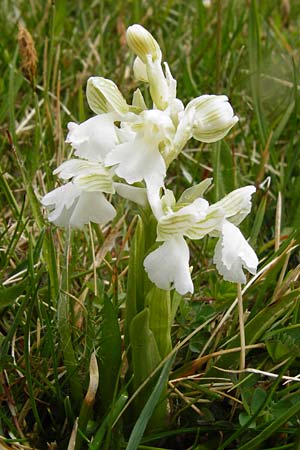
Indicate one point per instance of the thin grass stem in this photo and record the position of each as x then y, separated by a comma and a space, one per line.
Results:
242, 327
63, 323
278, 221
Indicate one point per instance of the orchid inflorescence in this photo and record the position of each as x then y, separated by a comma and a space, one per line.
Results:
124, 144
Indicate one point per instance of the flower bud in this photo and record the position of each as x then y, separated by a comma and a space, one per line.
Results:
142, 43
158, 85
104, 96
213, 117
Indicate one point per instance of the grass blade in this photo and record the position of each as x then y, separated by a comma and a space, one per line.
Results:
141, 423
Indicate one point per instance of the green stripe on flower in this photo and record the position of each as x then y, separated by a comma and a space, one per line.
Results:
212, 221
104, 96
173, 225
142, 43
95, 182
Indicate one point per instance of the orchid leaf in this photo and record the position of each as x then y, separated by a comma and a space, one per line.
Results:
135, 283
158, 301
109, 354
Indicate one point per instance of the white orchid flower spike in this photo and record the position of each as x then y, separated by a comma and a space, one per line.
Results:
125, 144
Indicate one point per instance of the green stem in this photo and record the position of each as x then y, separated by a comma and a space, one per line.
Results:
148, 321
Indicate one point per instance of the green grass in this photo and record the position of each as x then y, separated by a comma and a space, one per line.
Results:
248, 50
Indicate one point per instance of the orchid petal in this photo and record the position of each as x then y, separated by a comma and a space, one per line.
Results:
95, 182
179, 222
104, 96
61, 202
138, 101
70, 206
135, 194
136, 161
233, 253
87, 175
212, 221
92, 207
140, 70
142, 43
155, 202
155, 126
237, 204
94, 138
195, 191
168, 265
184, 129
213, 118
171, 82
72, 167
158, 85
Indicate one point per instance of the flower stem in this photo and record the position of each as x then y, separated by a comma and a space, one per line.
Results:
148, 323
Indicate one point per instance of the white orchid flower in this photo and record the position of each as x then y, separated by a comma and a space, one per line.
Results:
168, 265
148, 68
207, 118
213, 118
195, 220
71, 206
97, 136
82, 200
138, 147
141, 158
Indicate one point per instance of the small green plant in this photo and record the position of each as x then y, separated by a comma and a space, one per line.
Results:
124, 145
